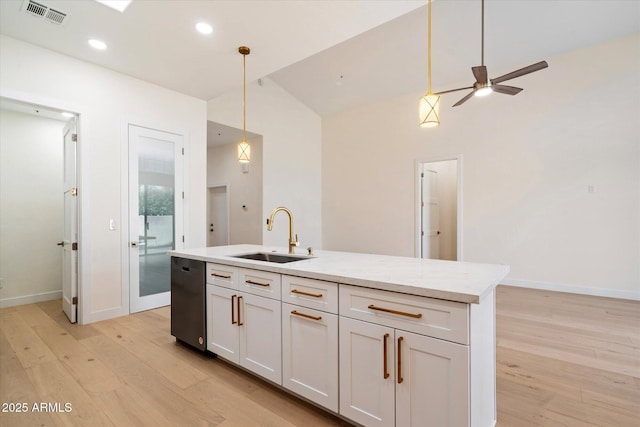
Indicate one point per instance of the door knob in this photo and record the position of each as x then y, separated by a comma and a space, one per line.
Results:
133, 244
60, 243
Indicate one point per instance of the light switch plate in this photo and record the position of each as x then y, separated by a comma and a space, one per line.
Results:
112, 224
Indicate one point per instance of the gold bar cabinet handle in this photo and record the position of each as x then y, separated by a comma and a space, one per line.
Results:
400, 379
251, 282
401, 313
222, 276
385, 372
233, 297
295, 291
308, 316
239, 321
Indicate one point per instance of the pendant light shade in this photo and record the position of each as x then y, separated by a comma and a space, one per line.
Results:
429, 104
244, 152
244, 149
429, 109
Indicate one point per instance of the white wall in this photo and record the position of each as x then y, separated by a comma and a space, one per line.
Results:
106, 101
31, 208
528, 163
291, 156
244, 189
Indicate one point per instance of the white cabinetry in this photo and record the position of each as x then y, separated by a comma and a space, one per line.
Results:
367, 361
392, 377
375, 357
310, 339
242, 326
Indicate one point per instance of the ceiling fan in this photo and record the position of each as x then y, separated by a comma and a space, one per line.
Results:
484, 86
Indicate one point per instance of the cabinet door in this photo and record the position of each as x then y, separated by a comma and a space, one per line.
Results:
310, 354
222, 316
367, 389
432, 386
260, 336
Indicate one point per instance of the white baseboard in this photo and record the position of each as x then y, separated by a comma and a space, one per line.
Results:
30, 299
582, 290
109, 313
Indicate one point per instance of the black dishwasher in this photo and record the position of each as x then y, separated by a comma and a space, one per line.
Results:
188, 323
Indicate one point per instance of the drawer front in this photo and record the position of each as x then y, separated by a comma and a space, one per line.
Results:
311, 293
263, 283
446, 320
222, 275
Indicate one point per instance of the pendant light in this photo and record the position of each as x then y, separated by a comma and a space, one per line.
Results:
429, 103
244, 149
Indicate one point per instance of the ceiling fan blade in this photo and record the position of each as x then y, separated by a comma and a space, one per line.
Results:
507, 90
480, 73
465, 99
521, 72
453, 90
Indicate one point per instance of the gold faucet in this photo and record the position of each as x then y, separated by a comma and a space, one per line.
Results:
292, 243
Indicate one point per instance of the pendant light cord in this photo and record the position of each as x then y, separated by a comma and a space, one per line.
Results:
429, 47
244, 98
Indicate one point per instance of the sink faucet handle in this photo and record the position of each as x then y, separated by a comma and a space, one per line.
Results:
296, 242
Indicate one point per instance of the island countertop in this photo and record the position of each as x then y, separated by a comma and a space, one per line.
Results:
449, 280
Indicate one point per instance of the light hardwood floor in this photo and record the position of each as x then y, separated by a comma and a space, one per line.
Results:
563, 360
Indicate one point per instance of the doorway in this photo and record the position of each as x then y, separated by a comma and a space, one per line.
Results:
439, 209
39, 205
155, 223
218, 216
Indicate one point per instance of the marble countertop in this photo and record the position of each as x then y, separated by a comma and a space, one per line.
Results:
449, 280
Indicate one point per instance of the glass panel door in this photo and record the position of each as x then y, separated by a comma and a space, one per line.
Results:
155, 214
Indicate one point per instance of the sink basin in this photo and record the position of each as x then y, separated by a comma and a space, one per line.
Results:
271, 257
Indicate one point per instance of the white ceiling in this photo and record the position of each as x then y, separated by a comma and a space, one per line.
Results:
34, 110
155, 40
391, 60
307, 45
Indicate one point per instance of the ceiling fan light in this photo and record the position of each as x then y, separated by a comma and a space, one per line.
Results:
483, 91
429, 110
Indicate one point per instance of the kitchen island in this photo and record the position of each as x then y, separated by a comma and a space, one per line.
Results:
378, 340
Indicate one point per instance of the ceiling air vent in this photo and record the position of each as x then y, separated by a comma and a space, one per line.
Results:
40, 10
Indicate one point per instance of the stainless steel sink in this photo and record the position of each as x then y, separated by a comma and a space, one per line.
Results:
271, 257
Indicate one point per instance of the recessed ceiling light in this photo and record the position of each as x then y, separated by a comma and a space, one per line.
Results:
97, 44
119, 5
204, 28
67, 114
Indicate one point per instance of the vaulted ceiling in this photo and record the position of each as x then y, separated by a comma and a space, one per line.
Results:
332, 55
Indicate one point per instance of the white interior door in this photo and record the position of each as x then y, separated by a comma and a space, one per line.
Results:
155, 214
218, 221
430, 215
70, 226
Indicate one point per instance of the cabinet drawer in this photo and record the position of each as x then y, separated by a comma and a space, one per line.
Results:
311, 293
263, 283
447, 320
223, 275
